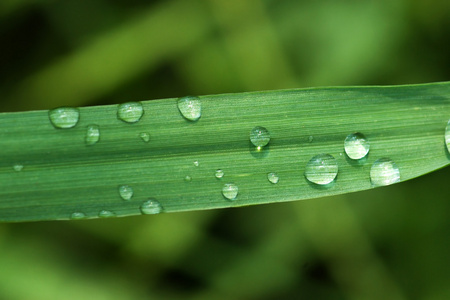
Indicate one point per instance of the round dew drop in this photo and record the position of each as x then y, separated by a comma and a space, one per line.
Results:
126, 192
196, 163
447, 136
322, 169
230, 191
130, 112
356, 145
273, 178
64, 117
219, 173
106, 214
188, 178
384, 172
18, 168
190, 107
145, 136
259, 136
151, 207
92, 134
78, 216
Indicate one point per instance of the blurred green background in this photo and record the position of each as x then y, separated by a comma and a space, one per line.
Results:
387, 243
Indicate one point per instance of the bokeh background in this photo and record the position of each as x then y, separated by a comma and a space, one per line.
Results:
386, 243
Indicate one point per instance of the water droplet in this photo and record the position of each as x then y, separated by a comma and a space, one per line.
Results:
384, 172
64, 117
259, 136
145, 136
321, 169
125, 192
92, 134
151, 207
273, 177
78, 216
196, 163
356, 145
310, 139
130, 112
18, 168
447, 135
188, 178
190, 107
230, 191
106, 214
219, 173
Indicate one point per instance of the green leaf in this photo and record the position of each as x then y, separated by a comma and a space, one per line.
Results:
169, 162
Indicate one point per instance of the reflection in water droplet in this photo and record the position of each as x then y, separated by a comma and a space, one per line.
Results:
145, 136
196, 163
190, 107
130, 112
447, 136
188, 178
106, 214
18, 168
259, 136
219, 173
92, 134
151, 207
384, 172
273, 177
125, 192
230, 191
321, 169
78, 216
356, 145
64, 117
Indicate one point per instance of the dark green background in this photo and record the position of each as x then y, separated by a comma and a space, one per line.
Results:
387, 243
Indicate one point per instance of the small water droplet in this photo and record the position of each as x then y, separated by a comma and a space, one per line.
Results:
259, 136
356, 145
106, 214
126, 192
190, 107
78, 216
188, 178
219, 173
18, 168
384, 172
230, 191
310, 139
145, 136
151, 207
273, 178
92, 134
130, 112
447, 135
196, 163
321, 169
64, 117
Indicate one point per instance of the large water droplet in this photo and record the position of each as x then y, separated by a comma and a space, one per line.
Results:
219, 173
190, 107
64, 117
145, 136
384, 172
78, 216
230, 191
18, 167
273, 178
447, 135
130, 112
92, 134
356, 145
259, 136
321, 169
106, 214
125, 192
151, 207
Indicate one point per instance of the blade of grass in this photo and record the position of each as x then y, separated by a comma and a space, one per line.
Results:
48, 173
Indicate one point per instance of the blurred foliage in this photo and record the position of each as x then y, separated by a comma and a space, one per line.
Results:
388, 243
